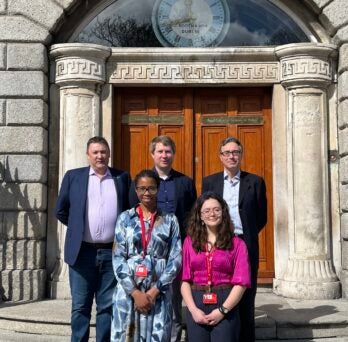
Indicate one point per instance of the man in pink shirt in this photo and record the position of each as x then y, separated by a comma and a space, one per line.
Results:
89, 202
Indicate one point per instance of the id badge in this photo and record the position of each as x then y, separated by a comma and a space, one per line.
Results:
141, 271
209, 298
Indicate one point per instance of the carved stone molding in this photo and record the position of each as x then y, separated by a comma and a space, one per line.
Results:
79, 69
76, 63
306, 68
194, 73
310, 271
306, 64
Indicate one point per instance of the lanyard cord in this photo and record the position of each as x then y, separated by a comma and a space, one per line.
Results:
145, 240
209, 259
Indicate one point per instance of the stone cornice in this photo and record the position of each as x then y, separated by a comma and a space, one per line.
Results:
193, 55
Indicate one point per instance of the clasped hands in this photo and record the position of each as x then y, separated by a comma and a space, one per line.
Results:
211, 319
144, 301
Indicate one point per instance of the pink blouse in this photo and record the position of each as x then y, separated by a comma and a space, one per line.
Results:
228, 266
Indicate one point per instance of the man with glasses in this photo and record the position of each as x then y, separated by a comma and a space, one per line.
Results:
245, 194
176, 194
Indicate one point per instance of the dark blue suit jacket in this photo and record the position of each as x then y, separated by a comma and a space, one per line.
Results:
71, 205
252, 204
185, 196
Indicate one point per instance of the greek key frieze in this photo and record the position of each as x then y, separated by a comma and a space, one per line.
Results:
79, 68
306, 67
222, 72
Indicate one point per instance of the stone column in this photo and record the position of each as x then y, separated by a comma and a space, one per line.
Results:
306, 71
79, 72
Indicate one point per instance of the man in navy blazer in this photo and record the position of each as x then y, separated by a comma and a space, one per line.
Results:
176, 194
89, 201
245, 194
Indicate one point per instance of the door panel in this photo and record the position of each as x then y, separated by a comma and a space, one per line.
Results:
197, 120
144, 113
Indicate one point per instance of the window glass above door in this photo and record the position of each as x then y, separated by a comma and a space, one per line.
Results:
192, 23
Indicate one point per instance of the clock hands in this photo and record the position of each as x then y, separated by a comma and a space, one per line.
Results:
189, 18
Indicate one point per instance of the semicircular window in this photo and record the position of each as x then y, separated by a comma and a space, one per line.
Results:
191, 23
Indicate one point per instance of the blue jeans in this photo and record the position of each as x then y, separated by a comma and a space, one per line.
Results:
91, 275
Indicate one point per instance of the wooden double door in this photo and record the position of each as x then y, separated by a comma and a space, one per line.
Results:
198, 119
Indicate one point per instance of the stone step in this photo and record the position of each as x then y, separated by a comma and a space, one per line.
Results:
277, 318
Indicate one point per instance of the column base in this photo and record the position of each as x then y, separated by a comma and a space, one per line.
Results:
59, 289
344, 281
307, 290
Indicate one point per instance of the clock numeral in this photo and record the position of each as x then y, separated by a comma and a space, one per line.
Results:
217, 17
215, 3
212, 29
177, 39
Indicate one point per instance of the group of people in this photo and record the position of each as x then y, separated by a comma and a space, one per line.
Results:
141, 247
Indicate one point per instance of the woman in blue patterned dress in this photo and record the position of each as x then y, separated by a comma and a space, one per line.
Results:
146, 259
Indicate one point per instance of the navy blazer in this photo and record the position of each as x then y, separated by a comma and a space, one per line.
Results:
252, 208
185, 196
71, 205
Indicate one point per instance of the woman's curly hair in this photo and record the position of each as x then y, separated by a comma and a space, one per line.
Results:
197, 230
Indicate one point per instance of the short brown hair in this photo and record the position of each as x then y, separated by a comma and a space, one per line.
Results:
163, 139
98, 140
229, 140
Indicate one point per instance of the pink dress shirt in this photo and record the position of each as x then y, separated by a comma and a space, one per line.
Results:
228, 266
101, 208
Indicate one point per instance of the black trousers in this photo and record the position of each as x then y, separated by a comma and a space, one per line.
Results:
247, 311
225, 330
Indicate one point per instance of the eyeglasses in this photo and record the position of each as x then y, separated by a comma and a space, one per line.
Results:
207, 212
235, 153
152, 190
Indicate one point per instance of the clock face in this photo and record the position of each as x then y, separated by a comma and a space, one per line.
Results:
190, 23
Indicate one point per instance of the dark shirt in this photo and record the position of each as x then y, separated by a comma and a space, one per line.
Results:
166, 195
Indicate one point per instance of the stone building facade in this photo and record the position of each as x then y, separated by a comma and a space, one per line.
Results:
55, 94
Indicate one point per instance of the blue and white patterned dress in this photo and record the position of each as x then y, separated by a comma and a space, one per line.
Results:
163, 262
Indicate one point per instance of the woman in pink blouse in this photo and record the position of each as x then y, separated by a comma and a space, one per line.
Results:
215, 273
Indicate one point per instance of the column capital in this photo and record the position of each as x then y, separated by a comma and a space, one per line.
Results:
306, 64
79, 64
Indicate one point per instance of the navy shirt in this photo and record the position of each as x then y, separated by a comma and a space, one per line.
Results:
166, 195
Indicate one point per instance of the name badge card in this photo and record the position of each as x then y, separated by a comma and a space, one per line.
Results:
209, 298
141, 271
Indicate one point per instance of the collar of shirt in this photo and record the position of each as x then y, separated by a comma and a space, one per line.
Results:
234, 179
93, 173
169, 177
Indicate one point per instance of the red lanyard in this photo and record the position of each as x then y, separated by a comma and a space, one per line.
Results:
209, 258
146, 239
